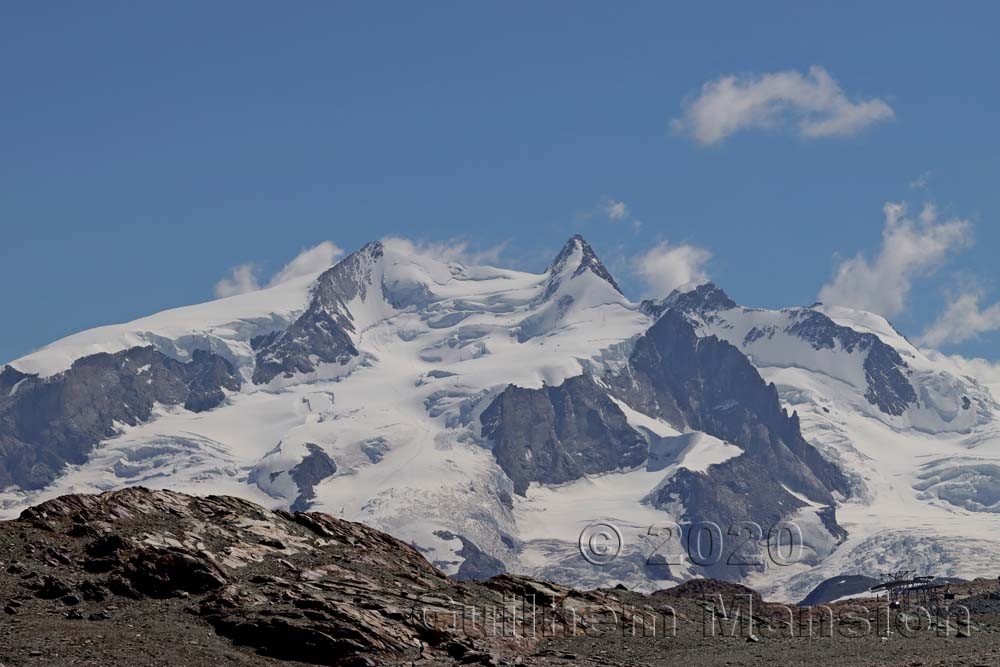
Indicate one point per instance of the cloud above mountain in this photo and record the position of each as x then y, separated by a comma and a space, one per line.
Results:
615, 210
241, 280
964, 319
311, 260
453, 250
911, 248
245, 277
665, 267
810, 105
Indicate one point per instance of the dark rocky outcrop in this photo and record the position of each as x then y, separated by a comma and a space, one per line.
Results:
701, 589
476, 564
708, 385
310, 471
208, 375
835, 588
375, 448
46, 423
10, 377
558, 434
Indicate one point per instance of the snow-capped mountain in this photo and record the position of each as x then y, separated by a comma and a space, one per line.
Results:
918, 439
488, 416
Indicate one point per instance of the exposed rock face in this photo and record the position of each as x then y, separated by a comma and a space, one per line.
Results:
47, 423
311, 470
888, 387
558, 434
475, 564
375, 449
708, 385
280, 582
207, 375
10, 377
838, 587
698, 589
322, 334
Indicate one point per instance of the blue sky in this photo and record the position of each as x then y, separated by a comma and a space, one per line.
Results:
147, 150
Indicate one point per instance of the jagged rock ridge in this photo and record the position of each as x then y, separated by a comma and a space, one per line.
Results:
886, 373
322, 334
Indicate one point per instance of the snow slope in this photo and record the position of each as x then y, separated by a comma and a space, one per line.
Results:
224, 326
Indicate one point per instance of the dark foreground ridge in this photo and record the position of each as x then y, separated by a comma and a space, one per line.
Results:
140, 577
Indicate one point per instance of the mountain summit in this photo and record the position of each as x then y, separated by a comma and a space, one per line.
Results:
578, 256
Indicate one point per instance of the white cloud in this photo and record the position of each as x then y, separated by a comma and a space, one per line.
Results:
962, 320
241, 280
615, 210
245, 277
814, 104
311, 260
910, 249
453, 250
665, 267
921, 181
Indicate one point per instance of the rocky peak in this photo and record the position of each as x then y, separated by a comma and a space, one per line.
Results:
576, 257
322, 334
344, 281
702, 300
